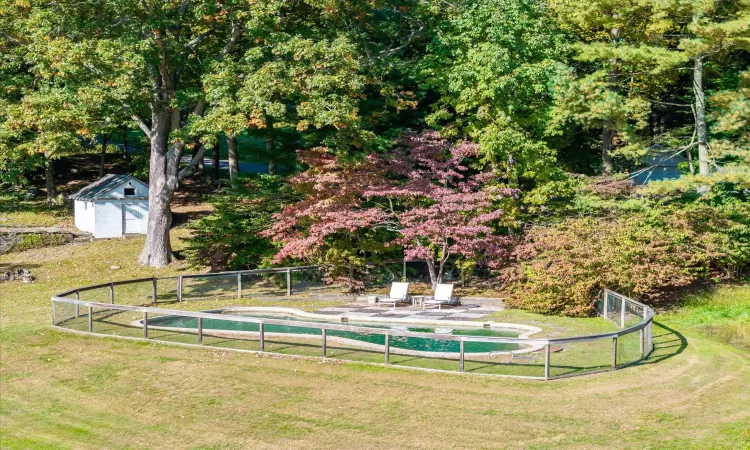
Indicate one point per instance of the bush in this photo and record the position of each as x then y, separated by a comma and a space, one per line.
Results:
560, 269
228, 238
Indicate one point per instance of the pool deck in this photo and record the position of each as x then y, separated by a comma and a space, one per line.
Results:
460, 313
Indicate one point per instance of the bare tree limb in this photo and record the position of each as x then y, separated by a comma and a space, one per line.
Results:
233, 37
193, 162
198, 39
142, 125
183, 6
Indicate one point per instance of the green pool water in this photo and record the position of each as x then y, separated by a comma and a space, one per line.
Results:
410, 343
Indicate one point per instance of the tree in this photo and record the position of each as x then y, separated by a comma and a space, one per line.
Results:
623, 57
421, 194
228, 238
494, 63
715, 27
731, 117
146, 58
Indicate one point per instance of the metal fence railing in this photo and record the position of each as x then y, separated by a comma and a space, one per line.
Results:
123, 309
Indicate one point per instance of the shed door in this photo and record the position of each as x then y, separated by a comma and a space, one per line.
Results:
131, 218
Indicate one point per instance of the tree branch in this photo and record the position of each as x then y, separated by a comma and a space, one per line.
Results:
142, 125
163, 69
193, 162
233, 37
198, 39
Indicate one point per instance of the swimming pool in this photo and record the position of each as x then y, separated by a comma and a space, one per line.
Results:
409, 343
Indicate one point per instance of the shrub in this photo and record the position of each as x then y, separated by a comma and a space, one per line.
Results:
228, 238
646, 255
561, 268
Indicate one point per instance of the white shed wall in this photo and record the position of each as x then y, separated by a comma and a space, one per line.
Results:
105, 217
108, 218
119, 191
84, 215
140, 207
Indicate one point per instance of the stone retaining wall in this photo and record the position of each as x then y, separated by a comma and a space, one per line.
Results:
18, 239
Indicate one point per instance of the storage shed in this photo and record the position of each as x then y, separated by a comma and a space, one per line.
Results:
113, 206
661, 167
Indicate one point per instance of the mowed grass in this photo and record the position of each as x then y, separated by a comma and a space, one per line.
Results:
17, 212
62, 390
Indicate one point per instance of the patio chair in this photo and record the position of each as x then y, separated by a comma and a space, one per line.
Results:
399, 293
443, 296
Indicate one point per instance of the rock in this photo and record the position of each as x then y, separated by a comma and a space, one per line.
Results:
31, 193
17, 275
114, 267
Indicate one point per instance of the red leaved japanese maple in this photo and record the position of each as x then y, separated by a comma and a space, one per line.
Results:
422, 192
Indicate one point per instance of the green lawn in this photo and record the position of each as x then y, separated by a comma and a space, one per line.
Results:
16, 212
61, 390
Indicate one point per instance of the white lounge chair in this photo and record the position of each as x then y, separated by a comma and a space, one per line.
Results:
443, 296
399, 293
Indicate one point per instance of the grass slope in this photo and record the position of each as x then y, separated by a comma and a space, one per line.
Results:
60, 390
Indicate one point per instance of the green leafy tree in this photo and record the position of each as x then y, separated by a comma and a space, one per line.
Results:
229, 238
494, 63
623, 58
715, 27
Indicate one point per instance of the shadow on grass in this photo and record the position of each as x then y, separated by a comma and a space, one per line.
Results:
662, 348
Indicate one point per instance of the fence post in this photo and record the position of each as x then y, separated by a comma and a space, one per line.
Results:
239, 284
605, 304
624, 307
546, 362
387, 347
643, 335
153, 290
179, 288
288, 282
324, 341
614, 352
403, 274
145, 325
54, 313
200, 330
112, 293
91, 321
645, 339
262, 337
461, 356
77, 308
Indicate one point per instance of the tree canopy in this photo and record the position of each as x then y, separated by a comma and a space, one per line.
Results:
407, 125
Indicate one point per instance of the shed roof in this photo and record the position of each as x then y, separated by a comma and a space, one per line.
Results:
102, 187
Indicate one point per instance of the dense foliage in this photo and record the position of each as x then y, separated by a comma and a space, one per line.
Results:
642, 247
428, 130
420, 196
229, 238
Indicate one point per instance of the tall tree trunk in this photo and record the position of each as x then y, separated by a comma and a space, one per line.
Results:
103, 155
608, 129
270, 144
234, 166
608, 135
216, 162
700, 116
49, 178
157, 252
